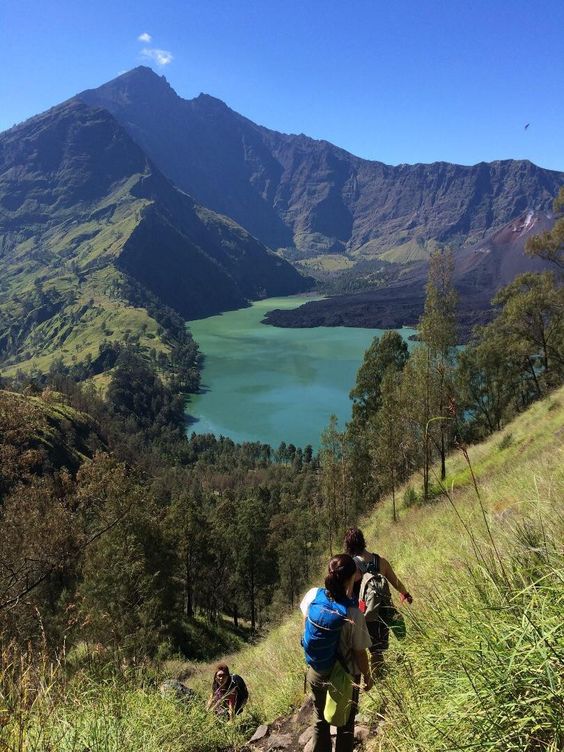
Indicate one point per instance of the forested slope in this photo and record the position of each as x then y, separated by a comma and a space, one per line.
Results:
481, 662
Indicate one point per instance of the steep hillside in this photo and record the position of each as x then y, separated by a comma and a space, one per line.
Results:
479, 272
309, 196
480, 663
85, 219
42, 434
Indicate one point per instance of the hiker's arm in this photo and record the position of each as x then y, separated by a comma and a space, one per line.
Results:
392, 578
231, 702
361, 658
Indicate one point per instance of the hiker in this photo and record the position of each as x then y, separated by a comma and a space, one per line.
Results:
229, 693
335, 631
375, 598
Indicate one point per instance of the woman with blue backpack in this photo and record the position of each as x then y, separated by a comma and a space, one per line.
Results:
335, 642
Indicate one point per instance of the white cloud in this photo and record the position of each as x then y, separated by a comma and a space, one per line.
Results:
144, 37
160, 57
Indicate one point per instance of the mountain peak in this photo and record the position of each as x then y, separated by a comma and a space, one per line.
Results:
296, 192
140, 83
142, 72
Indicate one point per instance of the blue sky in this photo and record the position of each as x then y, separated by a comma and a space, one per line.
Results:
393, 80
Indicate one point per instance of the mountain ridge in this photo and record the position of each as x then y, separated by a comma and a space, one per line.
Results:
308, 197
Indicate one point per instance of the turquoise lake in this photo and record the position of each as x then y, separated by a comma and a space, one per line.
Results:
263, 383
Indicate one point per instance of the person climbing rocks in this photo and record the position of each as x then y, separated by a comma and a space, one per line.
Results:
335, 630
374, 594
229, 693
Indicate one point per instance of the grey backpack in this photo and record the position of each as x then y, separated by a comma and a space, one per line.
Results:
375, 592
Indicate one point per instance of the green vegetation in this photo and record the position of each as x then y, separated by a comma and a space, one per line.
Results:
98, 247
477, 666
481, 665
414, 248
125, 546
330, 262
63, 300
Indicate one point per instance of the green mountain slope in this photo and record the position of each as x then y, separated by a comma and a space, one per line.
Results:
90, 230
39, 435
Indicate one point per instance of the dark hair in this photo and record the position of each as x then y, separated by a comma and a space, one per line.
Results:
341, 569
219, 667
354, 541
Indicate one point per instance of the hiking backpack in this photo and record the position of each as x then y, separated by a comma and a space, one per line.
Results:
242, 691
375, 592
323, 623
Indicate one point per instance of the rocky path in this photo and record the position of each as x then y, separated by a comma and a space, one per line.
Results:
293, 733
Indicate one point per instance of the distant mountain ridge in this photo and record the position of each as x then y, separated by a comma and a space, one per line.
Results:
310, 197
128, 197
85, 217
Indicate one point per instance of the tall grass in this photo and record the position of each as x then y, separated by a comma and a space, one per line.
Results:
484, 666
481, 668
105, 710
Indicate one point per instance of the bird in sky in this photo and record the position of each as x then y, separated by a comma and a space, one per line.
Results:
528, 124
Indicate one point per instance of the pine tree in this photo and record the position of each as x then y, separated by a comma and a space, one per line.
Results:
386, 435
334, 492
386, 353
437, 329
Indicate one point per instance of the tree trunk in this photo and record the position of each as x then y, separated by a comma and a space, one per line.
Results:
427, 442
188, 594
235, 616
253, 605
532, 368
394, 497
443, 454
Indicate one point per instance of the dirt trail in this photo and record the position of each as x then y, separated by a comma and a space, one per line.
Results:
292, 733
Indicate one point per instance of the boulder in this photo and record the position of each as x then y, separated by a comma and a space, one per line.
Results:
173, 687
361, 734
259, 734
306, 736
279, 741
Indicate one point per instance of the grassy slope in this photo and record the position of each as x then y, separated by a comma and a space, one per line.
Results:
411, 249
93, 310
473, 672
521, 477
42, 432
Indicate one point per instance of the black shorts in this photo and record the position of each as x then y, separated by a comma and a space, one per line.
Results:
380, 634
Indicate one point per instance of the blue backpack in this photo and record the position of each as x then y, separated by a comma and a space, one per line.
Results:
324, 620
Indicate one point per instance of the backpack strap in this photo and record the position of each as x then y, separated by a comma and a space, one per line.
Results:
376, 560
341, 660
366, 578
